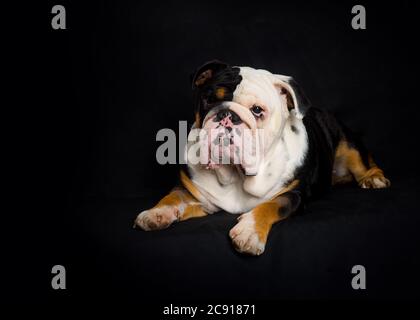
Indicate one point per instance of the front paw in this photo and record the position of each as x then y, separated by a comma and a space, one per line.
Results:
157, 218
245, 238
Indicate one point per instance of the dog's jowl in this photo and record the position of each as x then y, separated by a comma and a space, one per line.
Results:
266, 151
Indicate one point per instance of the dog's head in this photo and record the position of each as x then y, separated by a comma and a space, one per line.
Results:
231, 101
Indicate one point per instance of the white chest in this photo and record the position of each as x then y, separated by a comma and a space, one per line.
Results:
228, 189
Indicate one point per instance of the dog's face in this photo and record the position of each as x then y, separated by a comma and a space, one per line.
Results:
234, 102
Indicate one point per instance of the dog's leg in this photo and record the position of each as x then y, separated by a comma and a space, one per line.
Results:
367, 173
250, 234
178, 205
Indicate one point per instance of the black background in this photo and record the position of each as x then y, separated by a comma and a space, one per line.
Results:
121, 72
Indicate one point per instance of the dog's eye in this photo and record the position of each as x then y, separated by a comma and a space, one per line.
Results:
257, 110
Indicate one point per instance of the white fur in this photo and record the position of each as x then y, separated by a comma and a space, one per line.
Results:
245, 237
228, 188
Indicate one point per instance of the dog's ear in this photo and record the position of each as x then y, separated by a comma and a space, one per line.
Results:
206, 72
295, 97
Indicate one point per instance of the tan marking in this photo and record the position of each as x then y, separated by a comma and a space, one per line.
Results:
267, 214
189, 185
351, 159
173, 199
371, 177
203, 77
291, 186
185, 204
197, 120
193, 211
220, 93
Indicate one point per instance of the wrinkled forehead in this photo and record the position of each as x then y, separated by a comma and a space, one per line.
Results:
256, 87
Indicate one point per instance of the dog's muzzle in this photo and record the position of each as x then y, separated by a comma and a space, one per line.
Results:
231, 138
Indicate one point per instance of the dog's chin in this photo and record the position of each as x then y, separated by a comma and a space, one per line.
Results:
231, 163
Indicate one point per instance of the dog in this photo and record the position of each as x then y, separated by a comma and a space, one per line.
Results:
306, 151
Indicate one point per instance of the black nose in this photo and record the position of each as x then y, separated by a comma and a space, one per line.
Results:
227, 113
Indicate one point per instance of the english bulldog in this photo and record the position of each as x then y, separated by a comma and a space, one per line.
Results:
303, 150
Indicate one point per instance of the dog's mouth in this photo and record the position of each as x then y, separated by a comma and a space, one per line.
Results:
230, 140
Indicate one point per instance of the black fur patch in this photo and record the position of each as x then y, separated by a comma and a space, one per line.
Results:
324, 134
205, 95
